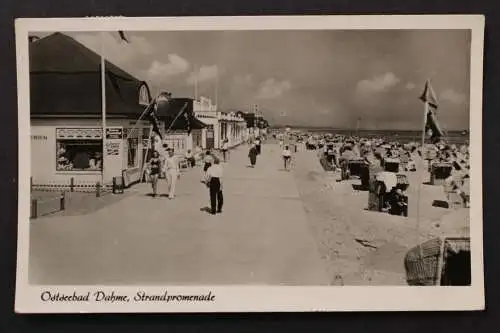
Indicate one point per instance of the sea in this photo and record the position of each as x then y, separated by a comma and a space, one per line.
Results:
452, 137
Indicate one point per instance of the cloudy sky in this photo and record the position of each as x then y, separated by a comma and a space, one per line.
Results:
316, 78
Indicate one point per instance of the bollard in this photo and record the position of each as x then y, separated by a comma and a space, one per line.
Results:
31, 184
72, 184
98, 189
63, 201
34, 208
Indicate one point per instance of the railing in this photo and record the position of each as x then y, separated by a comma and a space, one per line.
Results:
72, 185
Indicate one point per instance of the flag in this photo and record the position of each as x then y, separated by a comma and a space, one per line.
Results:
432, 128
123, 37
152, 115
188, 121
428, 95
182, 112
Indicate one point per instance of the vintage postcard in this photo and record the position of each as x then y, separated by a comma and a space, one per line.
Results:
250, 164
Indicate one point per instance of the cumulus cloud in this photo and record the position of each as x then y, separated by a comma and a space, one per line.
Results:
113, 48
204, 73
173, 66
272, 88
243, 80
377, 84
452, 96
410, 86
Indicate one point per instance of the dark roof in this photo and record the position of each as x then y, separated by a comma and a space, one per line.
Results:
65, 79
168, 112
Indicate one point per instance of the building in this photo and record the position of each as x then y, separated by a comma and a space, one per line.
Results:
221, 125
182, 130
67, 140
256, 125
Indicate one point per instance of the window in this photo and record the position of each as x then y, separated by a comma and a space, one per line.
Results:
132, 160
79, 155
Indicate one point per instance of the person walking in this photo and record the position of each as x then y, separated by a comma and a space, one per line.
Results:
214, 183
252, 154
190, 158
225, 150
208, 160
171, 172
257, 145
154, 171
287, 157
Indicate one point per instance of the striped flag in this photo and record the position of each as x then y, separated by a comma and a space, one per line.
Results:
188, 122
432, 128
152, 115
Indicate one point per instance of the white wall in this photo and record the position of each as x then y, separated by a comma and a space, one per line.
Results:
43, 152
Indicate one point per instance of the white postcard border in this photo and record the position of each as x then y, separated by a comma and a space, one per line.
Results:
258, 298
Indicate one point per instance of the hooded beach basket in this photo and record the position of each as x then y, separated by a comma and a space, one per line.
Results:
439, 262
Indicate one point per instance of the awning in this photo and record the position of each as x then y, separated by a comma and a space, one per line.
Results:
178, 115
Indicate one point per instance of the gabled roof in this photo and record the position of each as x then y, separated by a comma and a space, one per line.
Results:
169, 111
65, 80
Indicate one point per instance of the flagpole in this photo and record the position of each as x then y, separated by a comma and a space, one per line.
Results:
195, 75
103, 106
217, 88
420, 178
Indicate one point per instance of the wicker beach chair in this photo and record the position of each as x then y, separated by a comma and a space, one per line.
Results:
439, 261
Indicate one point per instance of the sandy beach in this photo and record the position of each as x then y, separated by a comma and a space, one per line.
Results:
361, 247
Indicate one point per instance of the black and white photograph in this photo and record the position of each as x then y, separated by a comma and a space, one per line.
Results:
250, 164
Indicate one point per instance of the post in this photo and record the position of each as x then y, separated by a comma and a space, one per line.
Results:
195, 77
72, 184
420, 179
143, 169
31, 184
63, 201
217, 88
98, 189
34, 208
103, 105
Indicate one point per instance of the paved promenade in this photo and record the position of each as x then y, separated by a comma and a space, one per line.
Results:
262, 236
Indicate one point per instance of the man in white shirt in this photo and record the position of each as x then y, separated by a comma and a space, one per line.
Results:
214, 179
171, 172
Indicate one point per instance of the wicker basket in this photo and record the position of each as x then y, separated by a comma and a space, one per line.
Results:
425, 264
421, 263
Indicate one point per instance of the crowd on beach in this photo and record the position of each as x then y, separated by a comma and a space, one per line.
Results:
369, 158
382, 161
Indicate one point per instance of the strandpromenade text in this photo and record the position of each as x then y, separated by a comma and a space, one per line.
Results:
100, 296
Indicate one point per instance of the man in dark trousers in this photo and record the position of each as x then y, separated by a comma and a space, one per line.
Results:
214, 175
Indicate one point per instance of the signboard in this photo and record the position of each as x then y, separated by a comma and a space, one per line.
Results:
79, 133
113, 153
210, 140
112, 148
114, 133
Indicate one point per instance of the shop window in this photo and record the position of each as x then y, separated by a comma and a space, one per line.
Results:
132, 159
79, 155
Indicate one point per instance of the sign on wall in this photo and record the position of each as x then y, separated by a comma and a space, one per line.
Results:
78, 133
113, 153
114, 133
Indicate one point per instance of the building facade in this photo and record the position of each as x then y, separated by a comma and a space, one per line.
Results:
70, 144
220, 125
